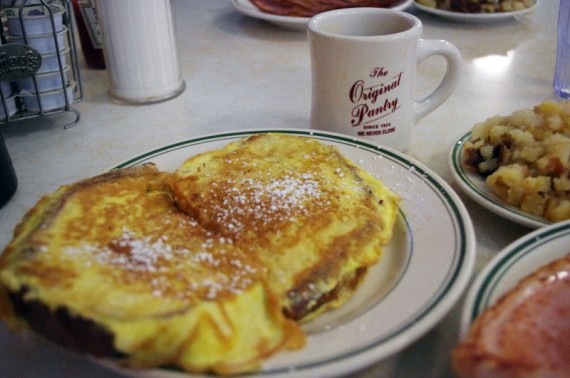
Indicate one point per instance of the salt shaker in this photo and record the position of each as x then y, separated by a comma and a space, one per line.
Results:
139, 45
562, 71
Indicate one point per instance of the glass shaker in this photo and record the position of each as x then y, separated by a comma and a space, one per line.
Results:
139, 45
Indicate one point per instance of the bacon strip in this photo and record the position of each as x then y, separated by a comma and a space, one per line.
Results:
304, 8
526, 334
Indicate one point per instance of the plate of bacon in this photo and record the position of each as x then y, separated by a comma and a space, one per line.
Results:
516, 316
294, 14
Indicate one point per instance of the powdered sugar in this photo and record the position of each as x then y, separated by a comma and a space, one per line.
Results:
136, 253
265, 200
206, 257
155, 261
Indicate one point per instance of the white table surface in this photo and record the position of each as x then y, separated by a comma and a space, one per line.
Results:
242, 73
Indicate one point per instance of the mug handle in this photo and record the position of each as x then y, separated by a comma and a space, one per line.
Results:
450, 80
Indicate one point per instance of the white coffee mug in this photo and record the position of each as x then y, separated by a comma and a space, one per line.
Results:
363, 65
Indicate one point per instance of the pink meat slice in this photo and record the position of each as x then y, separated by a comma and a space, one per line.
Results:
526, 333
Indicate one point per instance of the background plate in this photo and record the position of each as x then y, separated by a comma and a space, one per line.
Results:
516, 261
288, 22
423, 271
476, 17
475, 187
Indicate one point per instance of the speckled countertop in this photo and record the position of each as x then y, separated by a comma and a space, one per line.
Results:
243, 73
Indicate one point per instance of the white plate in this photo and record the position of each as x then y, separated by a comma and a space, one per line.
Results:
423, 271
475, 187
288, 22
516, 261
476, 17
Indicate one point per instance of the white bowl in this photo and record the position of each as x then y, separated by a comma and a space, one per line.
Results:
36, 19
45, 43
51, 100
10, 105
46, 81
50, 62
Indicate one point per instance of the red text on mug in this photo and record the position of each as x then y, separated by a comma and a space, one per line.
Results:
374, 100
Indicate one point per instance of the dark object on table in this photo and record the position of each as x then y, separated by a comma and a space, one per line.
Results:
8, 179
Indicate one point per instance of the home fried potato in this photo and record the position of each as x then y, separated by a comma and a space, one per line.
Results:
525, 158
478, 6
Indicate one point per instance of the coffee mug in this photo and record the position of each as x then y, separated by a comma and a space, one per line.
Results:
363, 66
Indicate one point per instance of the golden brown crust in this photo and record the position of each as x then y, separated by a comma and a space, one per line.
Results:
313, 218
154, 282
49, 206
111, 267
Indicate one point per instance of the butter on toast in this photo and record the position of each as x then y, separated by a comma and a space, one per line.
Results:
110, 266
315, 220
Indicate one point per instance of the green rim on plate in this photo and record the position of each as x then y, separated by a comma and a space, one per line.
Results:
475, 187
428, 310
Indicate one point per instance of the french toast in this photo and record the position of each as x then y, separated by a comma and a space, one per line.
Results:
314, 219
208, 268
111, 267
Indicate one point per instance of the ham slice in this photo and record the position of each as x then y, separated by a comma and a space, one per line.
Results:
304, 8
526, 333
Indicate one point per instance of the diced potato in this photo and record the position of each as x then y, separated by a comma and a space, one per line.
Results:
529, 3
499, 135
561, 184
527, 119
532, 167
549, 108
522, 137
481, 130
490, 165
555, 122
548, 165
515, 195
506, 177
540, 184
558, 209
428, 3
487, 152
486, 6
531, 154
561, 151
534, 203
